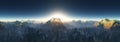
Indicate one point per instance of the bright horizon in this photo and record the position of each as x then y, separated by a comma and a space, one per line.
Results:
55, 14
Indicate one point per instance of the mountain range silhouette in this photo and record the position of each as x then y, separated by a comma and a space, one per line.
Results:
54, 30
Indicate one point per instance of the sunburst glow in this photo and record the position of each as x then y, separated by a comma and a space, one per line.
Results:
61, 15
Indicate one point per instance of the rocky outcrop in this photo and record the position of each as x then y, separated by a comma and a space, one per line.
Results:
108, 24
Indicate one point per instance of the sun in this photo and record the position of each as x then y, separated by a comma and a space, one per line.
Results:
61, 15
58, 16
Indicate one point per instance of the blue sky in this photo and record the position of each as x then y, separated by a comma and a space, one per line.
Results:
32, 9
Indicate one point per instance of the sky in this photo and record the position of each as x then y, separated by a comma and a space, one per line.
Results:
32, 9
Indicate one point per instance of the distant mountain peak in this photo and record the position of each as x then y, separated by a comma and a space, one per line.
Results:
107, 23
55, 23
55, 20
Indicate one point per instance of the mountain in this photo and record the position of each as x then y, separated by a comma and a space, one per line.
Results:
55, 24
108, 24
54, 30
1, 26
80, 24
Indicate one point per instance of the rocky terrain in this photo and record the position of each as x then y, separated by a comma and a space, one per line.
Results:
55, 30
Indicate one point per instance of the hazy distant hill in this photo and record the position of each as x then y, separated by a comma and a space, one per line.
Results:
80, 24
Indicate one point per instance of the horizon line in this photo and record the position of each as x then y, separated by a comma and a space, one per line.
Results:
44, 20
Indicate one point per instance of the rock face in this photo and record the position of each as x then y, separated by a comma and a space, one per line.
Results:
55, 23
55, 28
108, 24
